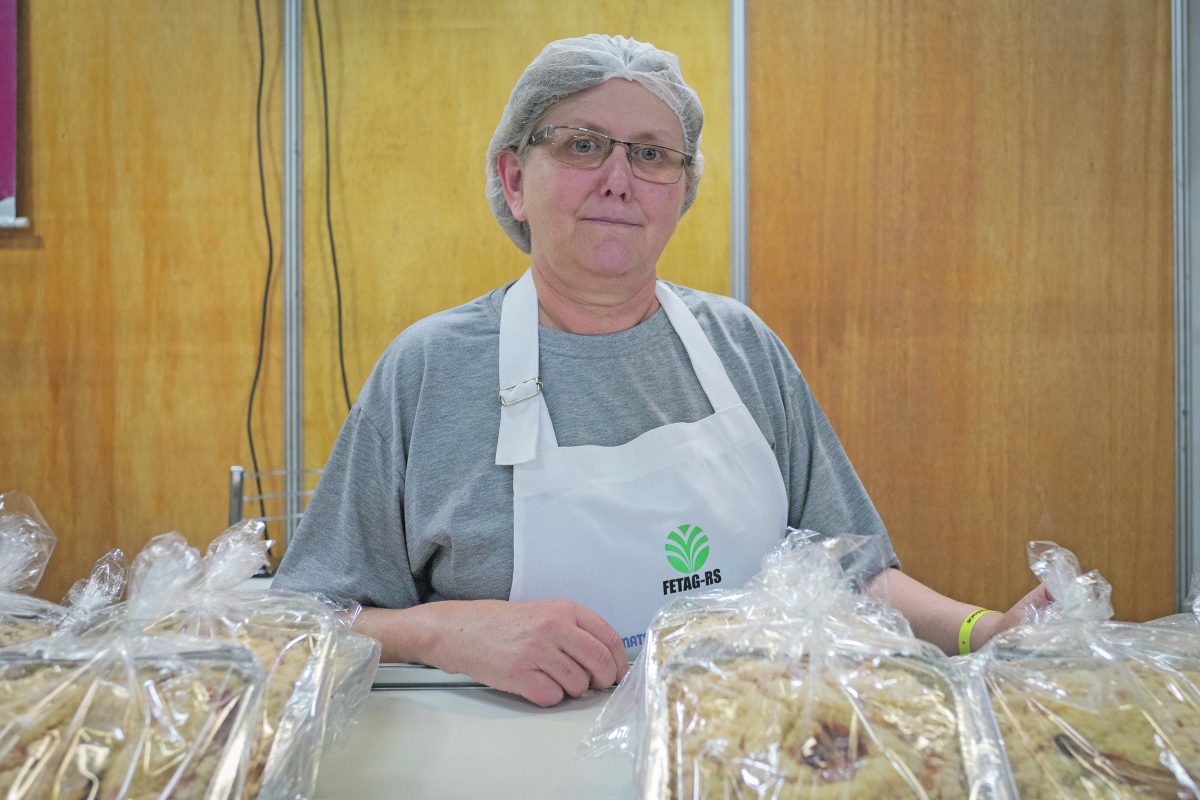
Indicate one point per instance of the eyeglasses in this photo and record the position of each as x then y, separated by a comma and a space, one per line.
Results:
587, 149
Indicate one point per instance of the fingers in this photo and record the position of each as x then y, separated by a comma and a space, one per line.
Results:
593, 657
538, 688
574, 647
542, 650
594, 624
568, 663
566, 672
1037, 599
1033, 602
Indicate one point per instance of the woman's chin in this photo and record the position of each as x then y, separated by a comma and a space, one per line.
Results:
615, 262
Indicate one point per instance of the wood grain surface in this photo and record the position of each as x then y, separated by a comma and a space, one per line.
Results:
961, 225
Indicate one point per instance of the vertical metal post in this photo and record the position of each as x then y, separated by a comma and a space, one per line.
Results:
1185, 77
237, 477
739, 271
293, 283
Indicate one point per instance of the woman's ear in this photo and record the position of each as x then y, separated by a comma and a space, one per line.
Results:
687, 189
509, 168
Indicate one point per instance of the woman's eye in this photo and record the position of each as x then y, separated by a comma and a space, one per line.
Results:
583, 146
650, 154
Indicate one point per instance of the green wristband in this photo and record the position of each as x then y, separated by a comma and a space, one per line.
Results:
968, 625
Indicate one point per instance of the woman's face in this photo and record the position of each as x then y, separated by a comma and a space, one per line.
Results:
590, 225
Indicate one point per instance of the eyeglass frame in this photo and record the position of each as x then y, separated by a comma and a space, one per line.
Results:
544, 134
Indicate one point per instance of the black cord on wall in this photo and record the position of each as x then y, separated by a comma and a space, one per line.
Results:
262, 184
262, 324
337, 281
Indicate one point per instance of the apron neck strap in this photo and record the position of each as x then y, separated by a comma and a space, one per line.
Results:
705, 361
524, 417
520, 390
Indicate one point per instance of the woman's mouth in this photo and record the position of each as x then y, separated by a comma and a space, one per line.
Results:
611, 221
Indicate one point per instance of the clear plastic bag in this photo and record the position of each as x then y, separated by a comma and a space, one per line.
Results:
26, 543
797, 686
92, 601
355, 662
619, 726
765, 711
116, 713
24, 618
25, 547
1088, 707
794, 583
292, 635
1192, 603
1189, 618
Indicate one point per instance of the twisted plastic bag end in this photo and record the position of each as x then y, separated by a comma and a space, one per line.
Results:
26, 543
1083, 597
236, 555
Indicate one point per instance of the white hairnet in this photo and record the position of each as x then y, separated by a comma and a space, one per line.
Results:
572, 65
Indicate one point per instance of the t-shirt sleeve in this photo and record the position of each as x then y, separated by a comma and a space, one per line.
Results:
825, 493
350, 544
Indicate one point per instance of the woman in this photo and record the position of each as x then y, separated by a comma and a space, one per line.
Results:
526, 478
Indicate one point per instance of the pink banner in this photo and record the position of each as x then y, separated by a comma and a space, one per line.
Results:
8, 105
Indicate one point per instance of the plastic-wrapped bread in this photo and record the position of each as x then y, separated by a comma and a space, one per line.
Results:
292, 638
88, 603
782, 710
114, 713
24, 619
735, 720
292, 635
786, 588
1088, 707
87, 720
799, 686
1092, 727
688, 618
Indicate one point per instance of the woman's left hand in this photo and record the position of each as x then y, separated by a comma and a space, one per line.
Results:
993, 624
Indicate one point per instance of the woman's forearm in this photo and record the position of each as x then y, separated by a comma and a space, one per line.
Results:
933, 616
542, 650
404, 634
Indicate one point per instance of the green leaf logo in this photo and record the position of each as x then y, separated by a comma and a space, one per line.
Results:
687, 548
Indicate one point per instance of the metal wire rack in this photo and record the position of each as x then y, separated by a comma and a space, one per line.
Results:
273, 505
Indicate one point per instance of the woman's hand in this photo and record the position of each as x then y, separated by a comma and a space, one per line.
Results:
937, 618
542, 650
993, 624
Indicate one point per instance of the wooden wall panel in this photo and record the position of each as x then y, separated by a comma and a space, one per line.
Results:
960, 223
416, 91
131, 308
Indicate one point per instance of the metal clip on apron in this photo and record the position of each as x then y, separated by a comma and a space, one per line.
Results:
621, 530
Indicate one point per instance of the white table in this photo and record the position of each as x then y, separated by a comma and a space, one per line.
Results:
439, 739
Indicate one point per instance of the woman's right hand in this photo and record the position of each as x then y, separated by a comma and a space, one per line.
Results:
542, 650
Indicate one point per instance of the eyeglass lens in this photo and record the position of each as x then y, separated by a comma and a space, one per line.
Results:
588, 150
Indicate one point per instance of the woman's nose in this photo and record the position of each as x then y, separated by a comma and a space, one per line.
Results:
617, 172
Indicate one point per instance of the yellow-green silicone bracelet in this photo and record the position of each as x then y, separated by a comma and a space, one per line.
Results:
968, 625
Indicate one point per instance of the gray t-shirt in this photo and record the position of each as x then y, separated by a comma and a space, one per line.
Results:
411, 507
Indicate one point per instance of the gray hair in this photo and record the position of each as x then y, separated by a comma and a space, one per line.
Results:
572, 65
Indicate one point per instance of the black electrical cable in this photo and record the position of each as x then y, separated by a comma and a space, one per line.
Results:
262, 325
337, 282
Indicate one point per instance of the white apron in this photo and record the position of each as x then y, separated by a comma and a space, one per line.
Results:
621, 530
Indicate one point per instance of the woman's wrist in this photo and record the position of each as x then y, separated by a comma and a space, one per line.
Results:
977, 629
404, 634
